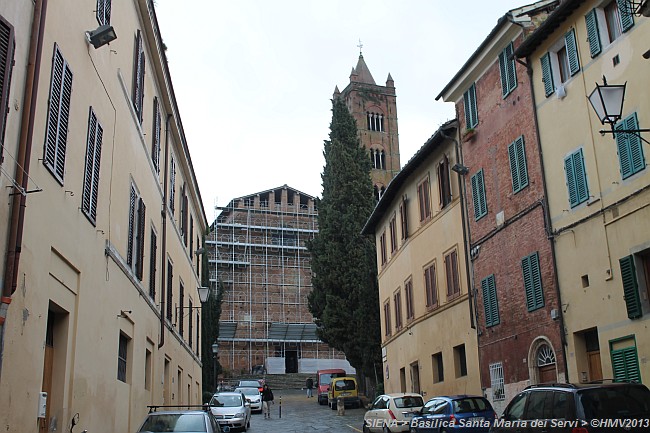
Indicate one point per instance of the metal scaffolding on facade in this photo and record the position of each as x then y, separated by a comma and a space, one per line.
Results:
258, 251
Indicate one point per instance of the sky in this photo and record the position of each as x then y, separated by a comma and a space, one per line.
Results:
254, 79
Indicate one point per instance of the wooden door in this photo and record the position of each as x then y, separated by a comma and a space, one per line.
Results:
48, 364
547, 374
595, 367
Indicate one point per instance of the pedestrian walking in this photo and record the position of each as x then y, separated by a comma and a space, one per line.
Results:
267, 400
309, 383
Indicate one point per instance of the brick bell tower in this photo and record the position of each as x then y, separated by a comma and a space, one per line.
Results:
375, 110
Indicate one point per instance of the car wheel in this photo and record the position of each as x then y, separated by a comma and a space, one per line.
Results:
365, 428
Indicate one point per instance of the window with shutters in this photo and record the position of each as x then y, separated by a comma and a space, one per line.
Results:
444, 183
431, 285
478, 195
532, 282
393, 233
518, 168
630, 287
91, 171
490, 302
183, 219
7, 48
560, 63
152, 264
382, 247
630, 150
122, 358
403, 216
424, 199
408, 295
507, 70
172, 184
607, 23
397, 301
135, 247
103, 12
169, 298
57, 116
387, 326
576, 178
451, 272
189, 324
138, 76
155, 141
181, 308
471, 108
625, 360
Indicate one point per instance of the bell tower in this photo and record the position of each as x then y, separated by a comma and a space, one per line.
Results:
375, 110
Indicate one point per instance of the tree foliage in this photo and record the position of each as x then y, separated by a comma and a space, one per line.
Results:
345, 298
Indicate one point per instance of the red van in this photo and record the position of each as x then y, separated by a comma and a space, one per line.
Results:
324, 378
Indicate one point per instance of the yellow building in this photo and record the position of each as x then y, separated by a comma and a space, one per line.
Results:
99, 256
428, 323
598, 186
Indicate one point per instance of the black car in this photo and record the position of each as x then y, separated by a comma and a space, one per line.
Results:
578, 408
186, 421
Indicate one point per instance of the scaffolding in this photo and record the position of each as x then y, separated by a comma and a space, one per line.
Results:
258, 251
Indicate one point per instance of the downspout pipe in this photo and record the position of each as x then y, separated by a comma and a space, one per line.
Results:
24, 154
547, 220
163, 247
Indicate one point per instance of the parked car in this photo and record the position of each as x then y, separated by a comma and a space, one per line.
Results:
231, 409
392, 412
455, 413
186, 421
346, 388
323, 380
586, 408
254, 383
254, 397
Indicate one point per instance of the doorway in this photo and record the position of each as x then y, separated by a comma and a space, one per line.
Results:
291, 361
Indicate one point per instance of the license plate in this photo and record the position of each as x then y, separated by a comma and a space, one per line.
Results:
344, 394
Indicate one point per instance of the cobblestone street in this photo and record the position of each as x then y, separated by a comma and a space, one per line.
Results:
300, 414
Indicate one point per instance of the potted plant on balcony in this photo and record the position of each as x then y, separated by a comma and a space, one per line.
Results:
469, 134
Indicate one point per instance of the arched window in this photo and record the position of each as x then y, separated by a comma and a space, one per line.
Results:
383, 160
545, 356
381, 123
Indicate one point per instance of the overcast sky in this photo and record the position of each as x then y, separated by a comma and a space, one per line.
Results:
254, 78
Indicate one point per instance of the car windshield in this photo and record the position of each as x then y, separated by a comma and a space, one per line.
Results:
249, 383
615, 402
408, 401
465, 405
226, 401
249, 391
155, 423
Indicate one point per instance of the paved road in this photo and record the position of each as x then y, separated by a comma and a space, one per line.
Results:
304, 415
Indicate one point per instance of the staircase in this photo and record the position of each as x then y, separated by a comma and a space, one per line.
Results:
275, 381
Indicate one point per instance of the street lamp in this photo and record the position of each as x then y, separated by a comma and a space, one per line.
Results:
607, 102
215, 351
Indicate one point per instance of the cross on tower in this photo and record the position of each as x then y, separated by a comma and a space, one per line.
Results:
360, 47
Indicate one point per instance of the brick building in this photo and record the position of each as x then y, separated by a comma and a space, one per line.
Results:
518, 308
258, 252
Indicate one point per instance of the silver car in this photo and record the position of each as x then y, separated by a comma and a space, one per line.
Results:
195, 421
231, 409
253, 396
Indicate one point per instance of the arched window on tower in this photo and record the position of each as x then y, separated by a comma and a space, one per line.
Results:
381, 123
383, 160
377, 159
368, 118
372, 158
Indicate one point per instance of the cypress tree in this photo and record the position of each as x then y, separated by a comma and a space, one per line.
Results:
345, 298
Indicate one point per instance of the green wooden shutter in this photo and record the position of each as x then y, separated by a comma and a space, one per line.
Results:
507, 70
547, 74
576, 178
490, 304
627, 19
471, 110
625, 364
478, 195
504, 73
518, 169
532, 282
570, 180
593, 33
572, 51
630, 150
630, 288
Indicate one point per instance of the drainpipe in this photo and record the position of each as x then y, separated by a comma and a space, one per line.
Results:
21, 177
547, 219
163, 255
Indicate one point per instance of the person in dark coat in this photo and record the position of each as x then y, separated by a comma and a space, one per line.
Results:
267, 400
309, 383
